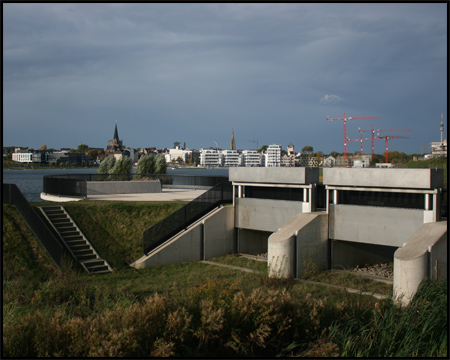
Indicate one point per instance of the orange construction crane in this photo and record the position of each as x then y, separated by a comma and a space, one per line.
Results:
387, 138
377, 130
345, 126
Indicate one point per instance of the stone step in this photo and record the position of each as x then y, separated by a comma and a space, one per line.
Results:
84, 257
93, 263
77, 247
80, 252
99, 269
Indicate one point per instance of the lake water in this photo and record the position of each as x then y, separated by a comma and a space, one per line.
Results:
30, 181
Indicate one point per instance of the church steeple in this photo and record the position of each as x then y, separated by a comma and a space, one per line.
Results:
116, 134
232, 142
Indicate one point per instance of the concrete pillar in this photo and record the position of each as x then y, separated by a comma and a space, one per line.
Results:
427, 201
335, 197
305, 195
281, 258
408, 274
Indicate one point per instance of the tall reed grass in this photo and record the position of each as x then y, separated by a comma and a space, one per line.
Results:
418, 330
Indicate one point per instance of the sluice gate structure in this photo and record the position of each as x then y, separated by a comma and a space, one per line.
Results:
353, 217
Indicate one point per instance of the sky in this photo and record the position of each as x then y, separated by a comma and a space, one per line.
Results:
193, 73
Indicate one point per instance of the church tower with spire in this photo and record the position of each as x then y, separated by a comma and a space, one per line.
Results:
115, 145
232, 142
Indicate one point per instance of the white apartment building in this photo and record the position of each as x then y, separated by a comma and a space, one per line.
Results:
209, 157
439, 148
229, 158
250, 158
22, 157
273, 156
176, 153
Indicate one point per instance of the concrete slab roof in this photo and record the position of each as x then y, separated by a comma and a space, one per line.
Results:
275, 175
391, 178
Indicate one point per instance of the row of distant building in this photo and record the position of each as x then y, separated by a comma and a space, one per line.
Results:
208, 157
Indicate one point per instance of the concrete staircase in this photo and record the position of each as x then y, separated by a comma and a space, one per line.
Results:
75, 241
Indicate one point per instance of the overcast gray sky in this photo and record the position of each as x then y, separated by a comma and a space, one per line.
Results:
193, 72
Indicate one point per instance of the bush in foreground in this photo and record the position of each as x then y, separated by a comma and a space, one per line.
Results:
217, 319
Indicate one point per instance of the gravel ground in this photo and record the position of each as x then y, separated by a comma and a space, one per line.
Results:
380, 270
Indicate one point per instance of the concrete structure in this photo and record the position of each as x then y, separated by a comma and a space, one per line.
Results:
209, 237
373, 212
123, 187
267, 198
370, 216
273, 156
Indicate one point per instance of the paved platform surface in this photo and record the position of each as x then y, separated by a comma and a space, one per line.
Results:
165, 195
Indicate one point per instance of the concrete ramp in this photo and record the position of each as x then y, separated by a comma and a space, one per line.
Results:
423, 255
299, 246
211, 236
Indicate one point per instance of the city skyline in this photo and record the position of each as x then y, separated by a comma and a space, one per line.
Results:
193, 72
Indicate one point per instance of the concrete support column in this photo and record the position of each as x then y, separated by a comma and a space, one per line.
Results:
408, 274
239, 191
427, 201
335, 197
305, 195
281, 258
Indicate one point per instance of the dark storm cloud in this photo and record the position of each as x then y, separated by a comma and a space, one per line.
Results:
192, 72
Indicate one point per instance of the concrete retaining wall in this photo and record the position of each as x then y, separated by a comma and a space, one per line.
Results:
123, 187
301, 245
417, 258
265, 215
252, 242
374, 225
210, 237
348, 254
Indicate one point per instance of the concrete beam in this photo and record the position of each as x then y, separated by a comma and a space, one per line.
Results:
390, 178
279, 175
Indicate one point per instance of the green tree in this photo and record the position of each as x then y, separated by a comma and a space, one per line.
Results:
146, 165
122, 169
161, 166
92, 154
307, 149
263, 149
106, 165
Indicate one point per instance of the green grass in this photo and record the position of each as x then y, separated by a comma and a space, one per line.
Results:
350, 280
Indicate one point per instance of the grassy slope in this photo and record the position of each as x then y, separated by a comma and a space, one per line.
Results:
115, 228
22, 254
